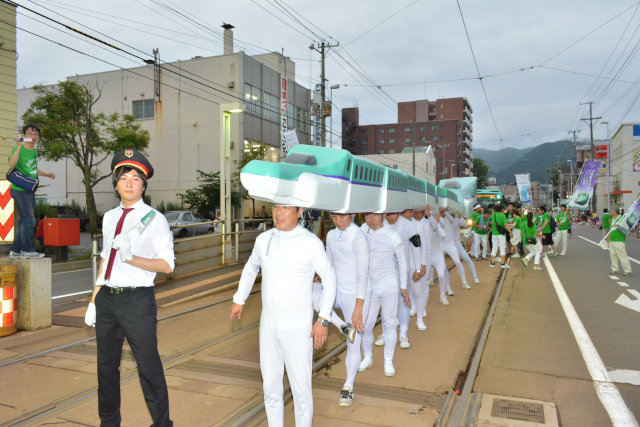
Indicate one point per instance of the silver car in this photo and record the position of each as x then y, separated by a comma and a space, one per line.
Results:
179, 219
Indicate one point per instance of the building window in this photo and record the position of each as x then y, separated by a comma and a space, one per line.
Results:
423, 128
435, 127
441, 116
407, 129
271, 107
363, 153
391, 150
442, 106
253, 99
407, 140
392, 140
380, 130
363, 131
380, 151
364, 142
381, 141
392, 130
144, 109
434, 138
301, 119
423, 139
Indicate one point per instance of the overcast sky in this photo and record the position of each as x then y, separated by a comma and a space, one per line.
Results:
411, 49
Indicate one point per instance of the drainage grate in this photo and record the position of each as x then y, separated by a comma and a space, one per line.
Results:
518, 410
423, 398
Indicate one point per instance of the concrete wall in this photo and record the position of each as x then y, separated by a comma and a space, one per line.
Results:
8, 129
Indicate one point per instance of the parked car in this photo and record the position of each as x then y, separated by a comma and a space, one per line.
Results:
178, 219
69, 212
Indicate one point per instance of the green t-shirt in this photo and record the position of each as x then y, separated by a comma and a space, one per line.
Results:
497, 218
479, 220
536, 219
564, 220
528, 231
617, 235
27, 163
547, 217
606, 221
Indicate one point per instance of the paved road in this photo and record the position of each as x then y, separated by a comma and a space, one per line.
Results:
71, 282
597, 297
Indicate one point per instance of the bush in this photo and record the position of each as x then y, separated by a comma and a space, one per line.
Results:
170, 206
42, 207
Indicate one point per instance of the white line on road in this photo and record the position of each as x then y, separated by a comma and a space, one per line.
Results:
614, 278
73, 294
607, 391
625, 301
627, 376
596, 243
623, 284
72, 271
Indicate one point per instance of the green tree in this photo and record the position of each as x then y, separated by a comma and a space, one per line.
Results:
253, 152
205, 198
71, 129
481, 171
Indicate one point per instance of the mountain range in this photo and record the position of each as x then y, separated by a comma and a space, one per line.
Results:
504, 164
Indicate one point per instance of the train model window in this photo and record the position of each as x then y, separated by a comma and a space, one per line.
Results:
300, 159
348, 165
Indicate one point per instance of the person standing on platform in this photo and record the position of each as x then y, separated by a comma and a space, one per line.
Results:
457, 224
606, 222
531, 237
388, 273
451, 228
545, 229
289, 255
435, 235
617, 249
499, 240
480, 237
348, 252
24, 157
123, 304
564, 222
422, 298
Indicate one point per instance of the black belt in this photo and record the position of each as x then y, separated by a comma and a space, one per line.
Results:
125, 290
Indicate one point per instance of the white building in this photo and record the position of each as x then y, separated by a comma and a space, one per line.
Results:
179, 104
624, 155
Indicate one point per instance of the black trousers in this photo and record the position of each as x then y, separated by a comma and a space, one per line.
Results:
131, 314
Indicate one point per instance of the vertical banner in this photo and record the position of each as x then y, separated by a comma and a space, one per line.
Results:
283, 117
584, 189
630, 218
524, 189
291, 139
317, 122
6, 212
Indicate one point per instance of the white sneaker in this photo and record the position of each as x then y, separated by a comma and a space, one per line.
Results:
537, 267
421, 326
380, 341
346, 396
424, 313
525, 262
476, 280
563, 253
31, 255
14, 255
388, 368
505, 265
515, 256
404, 342
444, 300
412, 312
450, 292
466, 286
365, 364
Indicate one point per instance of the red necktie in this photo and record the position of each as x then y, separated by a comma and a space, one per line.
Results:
112, 255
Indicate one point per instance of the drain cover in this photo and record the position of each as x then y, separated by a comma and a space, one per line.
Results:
518, 410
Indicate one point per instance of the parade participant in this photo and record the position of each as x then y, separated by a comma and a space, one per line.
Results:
348, 252
531, 237
606, 222
451, 228
617, 249
24, 158
422, 298
545, 229
516, 235
564, 221
499, 229
480, 237
388, 273
123, 303
457, 224
511, 215
411, 241
435, 235
289, 255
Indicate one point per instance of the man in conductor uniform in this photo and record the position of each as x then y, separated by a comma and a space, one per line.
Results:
123, 303
289, 255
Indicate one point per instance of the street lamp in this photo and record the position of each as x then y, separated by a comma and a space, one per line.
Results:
225, 165
609, 144
570, 176
332, 87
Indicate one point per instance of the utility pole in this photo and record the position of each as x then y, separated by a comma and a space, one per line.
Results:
593, 151
321, 48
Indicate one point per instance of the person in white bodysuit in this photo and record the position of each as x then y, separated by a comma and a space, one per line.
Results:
435, 235
348, 251
386, 280
420, 290
288, 255
456, 224
449, 247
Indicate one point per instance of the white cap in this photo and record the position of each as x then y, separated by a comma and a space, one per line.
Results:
477, 207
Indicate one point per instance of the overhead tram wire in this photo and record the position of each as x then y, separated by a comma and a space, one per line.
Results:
381, 22
481, 82
288, 11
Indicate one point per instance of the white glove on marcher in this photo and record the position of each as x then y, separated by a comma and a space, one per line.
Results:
122, 244
90, 315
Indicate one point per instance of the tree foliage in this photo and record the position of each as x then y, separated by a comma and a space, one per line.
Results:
205, 198
72, 129
481, 171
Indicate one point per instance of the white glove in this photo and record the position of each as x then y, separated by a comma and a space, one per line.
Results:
122, 244
90, 315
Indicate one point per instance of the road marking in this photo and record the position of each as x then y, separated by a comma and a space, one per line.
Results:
606, 390
73, 294
596, 243
626, 376
614, 277
623, 284
72, 271
625, 301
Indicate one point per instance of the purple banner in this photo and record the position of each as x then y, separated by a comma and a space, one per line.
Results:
586, 183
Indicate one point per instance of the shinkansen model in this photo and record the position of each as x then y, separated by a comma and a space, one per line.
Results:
335, 180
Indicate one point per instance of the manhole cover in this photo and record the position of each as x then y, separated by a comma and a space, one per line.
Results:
518, 410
